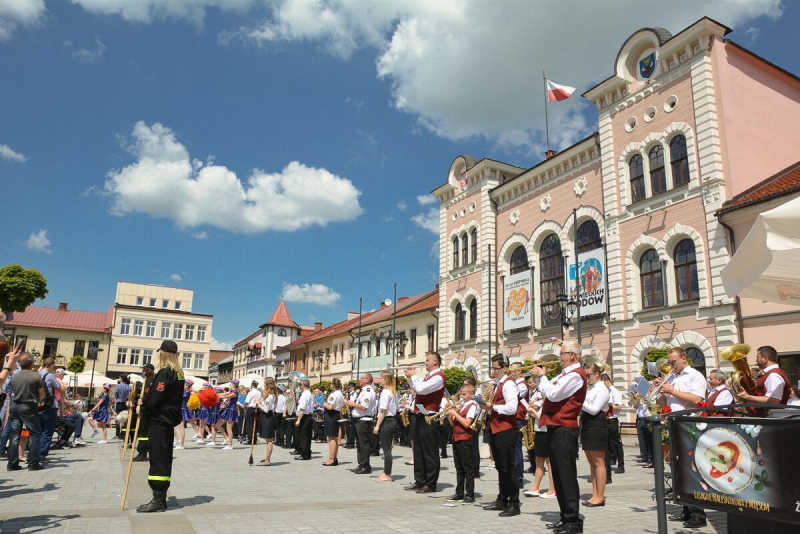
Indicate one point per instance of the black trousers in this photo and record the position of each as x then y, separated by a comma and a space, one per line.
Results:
250, 419
304, 436
504, 451
445, 436
563, 454
160, 449
363, 430
476, 451
143, 438
350, 430
426, 452
387, 439
279, 429
519, 458
465, 468
614, 446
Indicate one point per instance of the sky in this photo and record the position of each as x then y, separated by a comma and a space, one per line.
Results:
253, 150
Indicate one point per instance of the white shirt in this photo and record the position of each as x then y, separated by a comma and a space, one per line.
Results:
614, 399
563, 386
269, 403
510, 396
537, 400
522, 387
724, 398
596, 400
774, 383
689, 380
306, 403
337, 399
281, 403
471, 411
388, 402
367, 399
642, 411
253, 398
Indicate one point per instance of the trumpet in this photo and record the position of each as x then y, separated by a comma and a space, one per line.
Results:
549, 361
402, 367
430, 419
665, 369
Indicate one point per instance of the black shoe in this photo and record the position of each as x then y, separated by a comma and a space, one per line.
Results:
426, 489
455, 498
141, 457
588, 504
511, 511
413, 487
569, 528
695, 522
303, 458
608, 480
679, 517
35, 467
468, 500
520, 484
375, 454
620, 470
496, 506
157, 504
555, 525
363, 471
335, 463
15, 467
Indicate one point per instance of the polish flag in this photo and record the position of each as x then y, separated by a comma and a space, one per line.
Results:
558, 92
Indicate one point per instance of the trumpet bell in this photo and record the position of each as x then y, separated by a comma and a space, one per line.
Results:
600, 363
735, 352
663, 366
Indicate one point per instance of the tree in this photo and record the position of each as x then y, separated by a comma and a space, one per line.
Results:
76, 364
19, 288
455, 378
325, 386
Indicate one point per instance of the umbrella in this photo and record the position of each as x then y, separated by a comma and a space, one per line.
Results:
249, 378
765, 265
136, 378
85, 380
197, 382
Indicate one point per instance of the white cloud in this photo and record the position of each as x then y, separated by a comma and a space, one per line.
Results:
402, 206
175, 278
84, 54
419, 44
388, 219
310, 293
427, 199
428, 220
200, 235
192, 11
38, 241
220, 345
165, 182
19, 12
7, 153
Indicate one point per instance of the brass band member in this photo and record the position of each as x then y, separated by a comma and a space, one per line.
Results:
564, 397
614, 440
305, 420
430, 391
363, 408
463, 446
333, 410
387, 423
718, 392
522, 416
267, 419
594, 433
503, 426
772, 387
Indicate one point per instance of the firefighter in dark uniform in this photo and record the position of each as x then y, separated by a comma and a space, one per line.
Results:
141, 442
161, 404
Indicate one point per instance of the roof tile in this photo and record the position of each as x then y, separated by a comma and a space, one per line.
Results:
40, 317
785, 182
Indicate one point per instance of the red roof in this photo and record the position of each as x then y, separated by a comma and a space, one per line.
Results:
282, 317
83, 321
785, 182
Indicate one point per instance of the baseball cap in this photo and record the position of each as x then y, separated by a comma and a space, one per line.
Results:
168, 346
254, 384
148, 366
60, 371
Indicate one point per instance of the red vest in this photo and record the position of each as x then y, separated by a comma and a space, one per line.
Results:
761, 384
522, 412
460, 432
499, 422
565, 412
610, 411
431, 401
713, 397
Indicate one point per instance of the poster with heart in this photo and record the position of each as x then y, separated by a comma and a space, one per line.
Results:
518, 301
741, 465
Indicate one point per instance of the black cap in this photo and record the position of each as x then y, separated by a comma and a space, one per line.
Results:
254, 384
148, 366
169, 346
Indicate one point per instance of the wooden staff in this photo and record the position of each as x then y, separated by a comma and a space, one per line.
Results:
127, 433
253, 438
130, 464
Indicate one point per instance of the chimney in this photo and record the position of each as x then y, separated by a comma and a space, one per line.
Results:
549, 154
62, 306
402, 299
317, 327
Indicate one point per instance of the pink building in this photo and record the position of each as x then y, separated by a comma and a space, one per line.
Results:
684, 124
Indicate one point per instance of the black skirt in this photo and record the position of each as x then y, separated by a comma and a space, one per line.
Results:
594, 431
267, 430
542, 445
331, 423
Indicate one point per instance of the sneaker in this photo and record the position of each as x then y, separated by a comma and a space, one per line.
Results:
547, 495
79, 442
532, 493
102, 442
211, 444
227, 448
94, 434
490, 466
178, 448
200, 441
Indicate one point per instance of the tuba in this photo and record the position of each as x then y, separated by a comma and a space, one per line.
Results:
741, 379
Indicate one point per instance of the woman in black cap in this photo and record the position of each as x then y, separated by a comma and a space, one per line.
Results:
161, 404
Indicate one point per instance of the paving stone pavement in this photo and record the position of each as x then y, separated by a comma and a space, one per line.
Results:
215, 491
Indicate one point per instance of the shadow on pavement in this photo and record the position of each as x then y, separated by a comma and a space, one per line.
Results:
37, 523
47, 487
186, 502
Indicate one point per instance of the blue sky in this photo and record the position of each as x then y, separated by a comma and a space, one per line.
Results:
252, 150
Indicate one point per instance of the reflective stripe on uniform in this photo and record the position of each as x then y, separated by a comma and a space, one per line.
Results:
142, 439
156, 477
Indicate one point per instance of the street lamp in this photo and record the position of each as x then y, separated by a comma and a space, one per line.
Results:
566, 310
400, 342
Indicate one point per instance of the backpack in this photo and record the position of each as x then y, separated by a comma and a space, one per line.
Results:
47, 402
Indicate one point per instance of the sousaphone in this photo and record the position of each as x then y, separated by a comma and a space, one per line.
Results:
741, 379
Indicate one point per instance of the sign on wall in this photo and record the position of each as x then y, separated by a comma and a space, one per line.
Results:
591, 283
518, 299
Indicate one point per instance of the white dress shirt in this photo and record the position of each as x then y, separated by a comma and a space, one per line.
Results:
473, 408
614, 399
774, 383
337, 399
280, 404
367, 399
596, 400
563, 386
510, 396
522, 387
537, 400
689, 380
253, 398
724, 398
269, 403
388, 402
306, 402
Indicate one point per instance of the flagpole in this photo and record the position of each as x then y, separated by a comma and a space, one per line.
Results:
546, 125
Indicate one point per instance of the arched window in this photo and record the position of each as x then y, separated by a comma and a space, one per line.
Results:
679, 159
519, 260
455, 253
658, 175
551, 276
460, 319
474, 245
696, 359
464, 249
282, 332
473, 319
588, 236
686, 271
652, 283
637, 178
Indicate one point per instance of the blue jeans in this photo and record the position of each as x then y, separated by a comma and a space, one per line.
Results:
47, 422
24, 414
6, 434
77, 420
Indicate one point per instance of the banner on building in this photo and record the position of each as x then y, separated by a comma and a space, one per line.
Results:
518, 299
744, 465
591, 282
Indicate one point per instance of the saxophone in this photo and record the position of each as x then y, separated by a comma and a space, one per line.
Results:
528, 434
